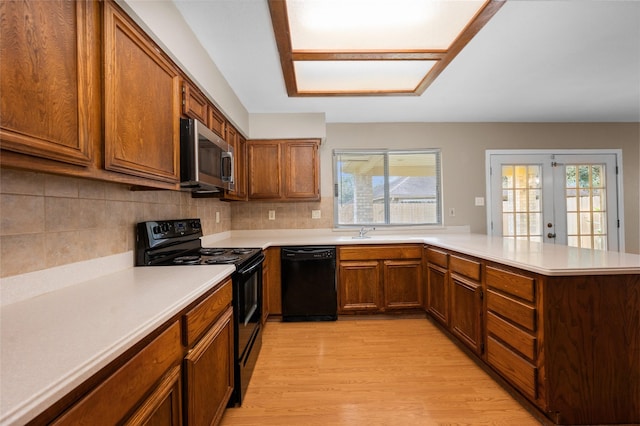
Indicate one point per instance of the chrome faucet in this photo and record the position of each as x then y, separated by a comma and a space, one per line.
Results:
364, 230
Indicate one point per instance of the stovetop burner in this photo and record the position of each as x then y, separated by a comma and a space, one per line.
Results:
242, 250
222, 259
212, 251
187, 260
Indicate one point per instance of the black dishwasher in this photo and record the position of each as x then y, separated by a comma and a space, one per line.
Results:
309, 283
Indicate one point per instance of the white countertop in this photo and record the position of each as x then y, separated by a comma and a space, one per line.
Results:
53, 342
545, 259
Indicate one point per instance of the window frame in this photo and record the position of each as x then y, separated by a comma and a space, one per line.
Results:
386, 152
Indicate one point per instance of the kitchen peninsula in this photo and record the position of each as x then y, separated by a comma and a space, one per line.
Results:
577, 360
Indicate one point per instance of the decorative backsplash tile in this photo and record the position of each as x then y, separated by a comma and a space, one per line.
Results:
48, 220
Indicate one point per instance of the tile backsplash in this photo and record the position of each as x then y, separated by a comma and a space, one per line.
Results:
48, 220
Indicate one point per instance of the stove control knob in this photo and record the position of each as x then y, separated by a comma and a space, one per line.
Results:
156, 229
165, 227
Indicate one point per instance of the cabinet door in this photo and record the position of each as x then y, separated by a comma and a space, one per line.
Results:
241, 168
50, 79
274, 297
438, 289
265, 291
141, 101
402, 284
209, 373
128, 387
217, 123
239, 191
163, 406
360, 286
264, 169
194, 104
466, 311
301, 174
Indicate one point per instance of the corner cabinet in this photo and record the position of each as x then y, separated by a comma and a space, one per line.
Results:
142, 98
454, 295
379, 278
50, 80
283, 170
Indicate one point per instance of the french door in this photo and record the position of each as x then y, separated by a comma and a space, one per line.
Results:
561, 197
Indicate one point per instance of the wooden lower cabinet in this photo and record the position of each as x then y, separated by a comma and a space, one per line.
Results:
143, 381
209, 374
182, 376
273, 294
437, 276
402, 289
163, 406
359, 286
512, 329
377, 279
466, 312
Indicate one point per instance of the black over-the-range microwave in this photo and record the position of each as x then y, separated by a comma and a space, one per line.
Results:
206, 160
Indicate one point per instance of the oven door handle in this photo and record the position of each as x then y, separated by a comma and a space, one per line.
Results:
249, 269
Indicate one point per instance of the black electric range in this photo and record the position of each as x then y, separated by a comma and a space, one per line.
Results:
178, 242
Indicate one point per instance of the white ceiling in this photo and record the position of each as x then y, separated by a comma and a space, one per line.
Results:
535, 61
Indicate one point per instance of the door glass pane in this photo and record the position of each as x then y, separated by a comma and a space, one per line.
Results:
586, 211
522, 195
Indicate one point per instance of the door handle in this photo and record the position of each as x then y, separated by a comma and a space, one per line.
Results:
551, 235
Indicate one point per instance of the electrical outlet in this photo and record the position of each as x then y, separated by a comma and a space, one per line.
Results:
452, 212
315, 214
272, 215
479, 201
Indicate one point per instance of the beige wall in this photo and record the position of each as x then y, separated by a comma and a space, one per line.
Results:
463, 148
48, 220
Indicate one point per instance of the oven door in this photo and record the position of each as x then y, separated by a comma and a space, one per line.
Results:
248, 293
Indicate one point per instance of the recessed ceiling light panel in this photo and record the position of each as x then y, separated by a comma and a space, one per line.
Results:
360, 76
357, 25
365, 47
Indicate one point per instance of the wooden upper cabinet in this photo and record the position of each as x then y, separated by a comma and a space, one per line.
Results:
286, 170
141, 102
50, 79
301, 179
194, 104
239, 189
216, 122
264, 169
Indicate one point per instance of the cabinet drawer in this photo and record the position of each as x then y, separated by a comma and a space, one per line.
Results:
437, 257
200, 318
514, 284
514, 368
123, 390
518, 339
380, 252
512, 309
467, 267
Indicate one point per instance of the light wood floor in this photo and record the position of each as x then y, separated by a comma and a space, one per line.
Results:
369, 372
